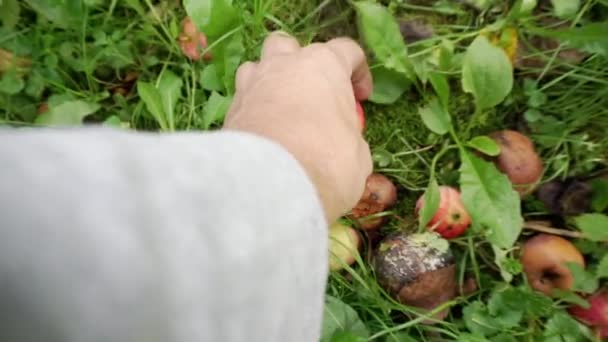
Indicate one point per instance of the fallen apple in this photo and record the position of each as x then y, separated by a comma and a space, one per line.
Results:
417, 269
344, 243
193, 42
545, 257
379, 194
596, 315
518, 160
451, 218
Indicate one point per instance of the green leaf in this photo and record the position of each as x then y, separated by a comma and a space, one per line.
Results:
485, 145
381, 33
340, 317
209, 79
564, 327
602, 267
400, 337
9, 13
465, 337
599, 198
505, 311
435, 117
232, 54
478, 320
213, 17
431, 199
389, 85
11, 83
215, 109
489, 198
442, 88
169, 88
591, 38
593, 226
524, 7
487, 73
569, 296
151, 98
62, 13
112, 121
584, 281
67, 113
565, 8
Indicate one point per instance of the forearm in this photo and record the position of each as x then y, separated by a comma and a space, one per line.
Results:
116, 236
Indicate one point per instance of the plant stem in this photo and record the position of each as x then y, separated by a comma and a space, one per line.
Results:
539, 227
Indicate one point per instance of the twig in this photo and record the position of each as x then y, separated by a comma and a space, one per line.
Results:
550, 230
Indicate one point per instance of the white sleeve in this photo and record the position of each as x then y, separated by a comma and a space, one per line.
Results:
121, 236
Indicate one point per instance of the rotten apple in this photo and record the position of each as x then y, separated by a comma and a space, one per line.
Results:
417, 269
545, 257
451, 218
518, 160
379, 194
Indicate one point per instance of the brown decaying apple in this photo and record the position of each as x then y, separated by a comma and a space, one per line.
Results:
518, 160
379, 195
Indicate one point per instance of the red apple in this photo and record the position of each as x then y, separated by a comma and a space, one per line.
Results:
192, 41
451, 219
360, 115
596, 315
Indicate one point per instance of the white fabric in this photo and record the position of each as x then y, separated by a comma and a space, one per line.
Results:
120, 236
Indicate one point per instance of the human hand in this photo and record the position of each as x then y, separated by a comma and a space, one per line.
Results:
304, 99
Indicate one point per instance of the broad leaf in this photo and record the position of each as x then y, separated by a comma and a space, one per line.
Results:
435, 117
565, 8
602, 267
345, 336
340, 317
591, 38
487, 73
389, 85
478, 320
10, 82
151, 98
569, 296
169, 88
209, 79
215, 109
593, 226
485, 145
381, 33
213, 17
507, 312
431, 200
63, 13
564, 328
232, 54
490, 200
67, 113
584, 281
525, 7
442, 88
9, 13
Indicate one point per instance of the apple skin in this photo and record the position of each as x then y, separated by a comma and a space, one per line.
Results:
596, 315
344, 243
451, 219
192, 42
360, 115
544, 259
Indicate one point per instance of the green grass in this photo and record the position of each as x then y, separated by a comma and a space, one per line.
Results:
89, 59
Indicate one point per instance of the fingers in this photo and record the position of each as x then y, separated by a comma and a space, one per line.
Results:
279, 43
351, 54
244, 75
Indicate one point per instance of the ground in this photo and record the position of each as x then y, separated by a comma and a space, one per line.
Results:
117, 62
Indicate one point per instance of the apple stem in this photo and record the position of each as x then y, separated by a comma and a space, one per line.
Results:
536, 226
